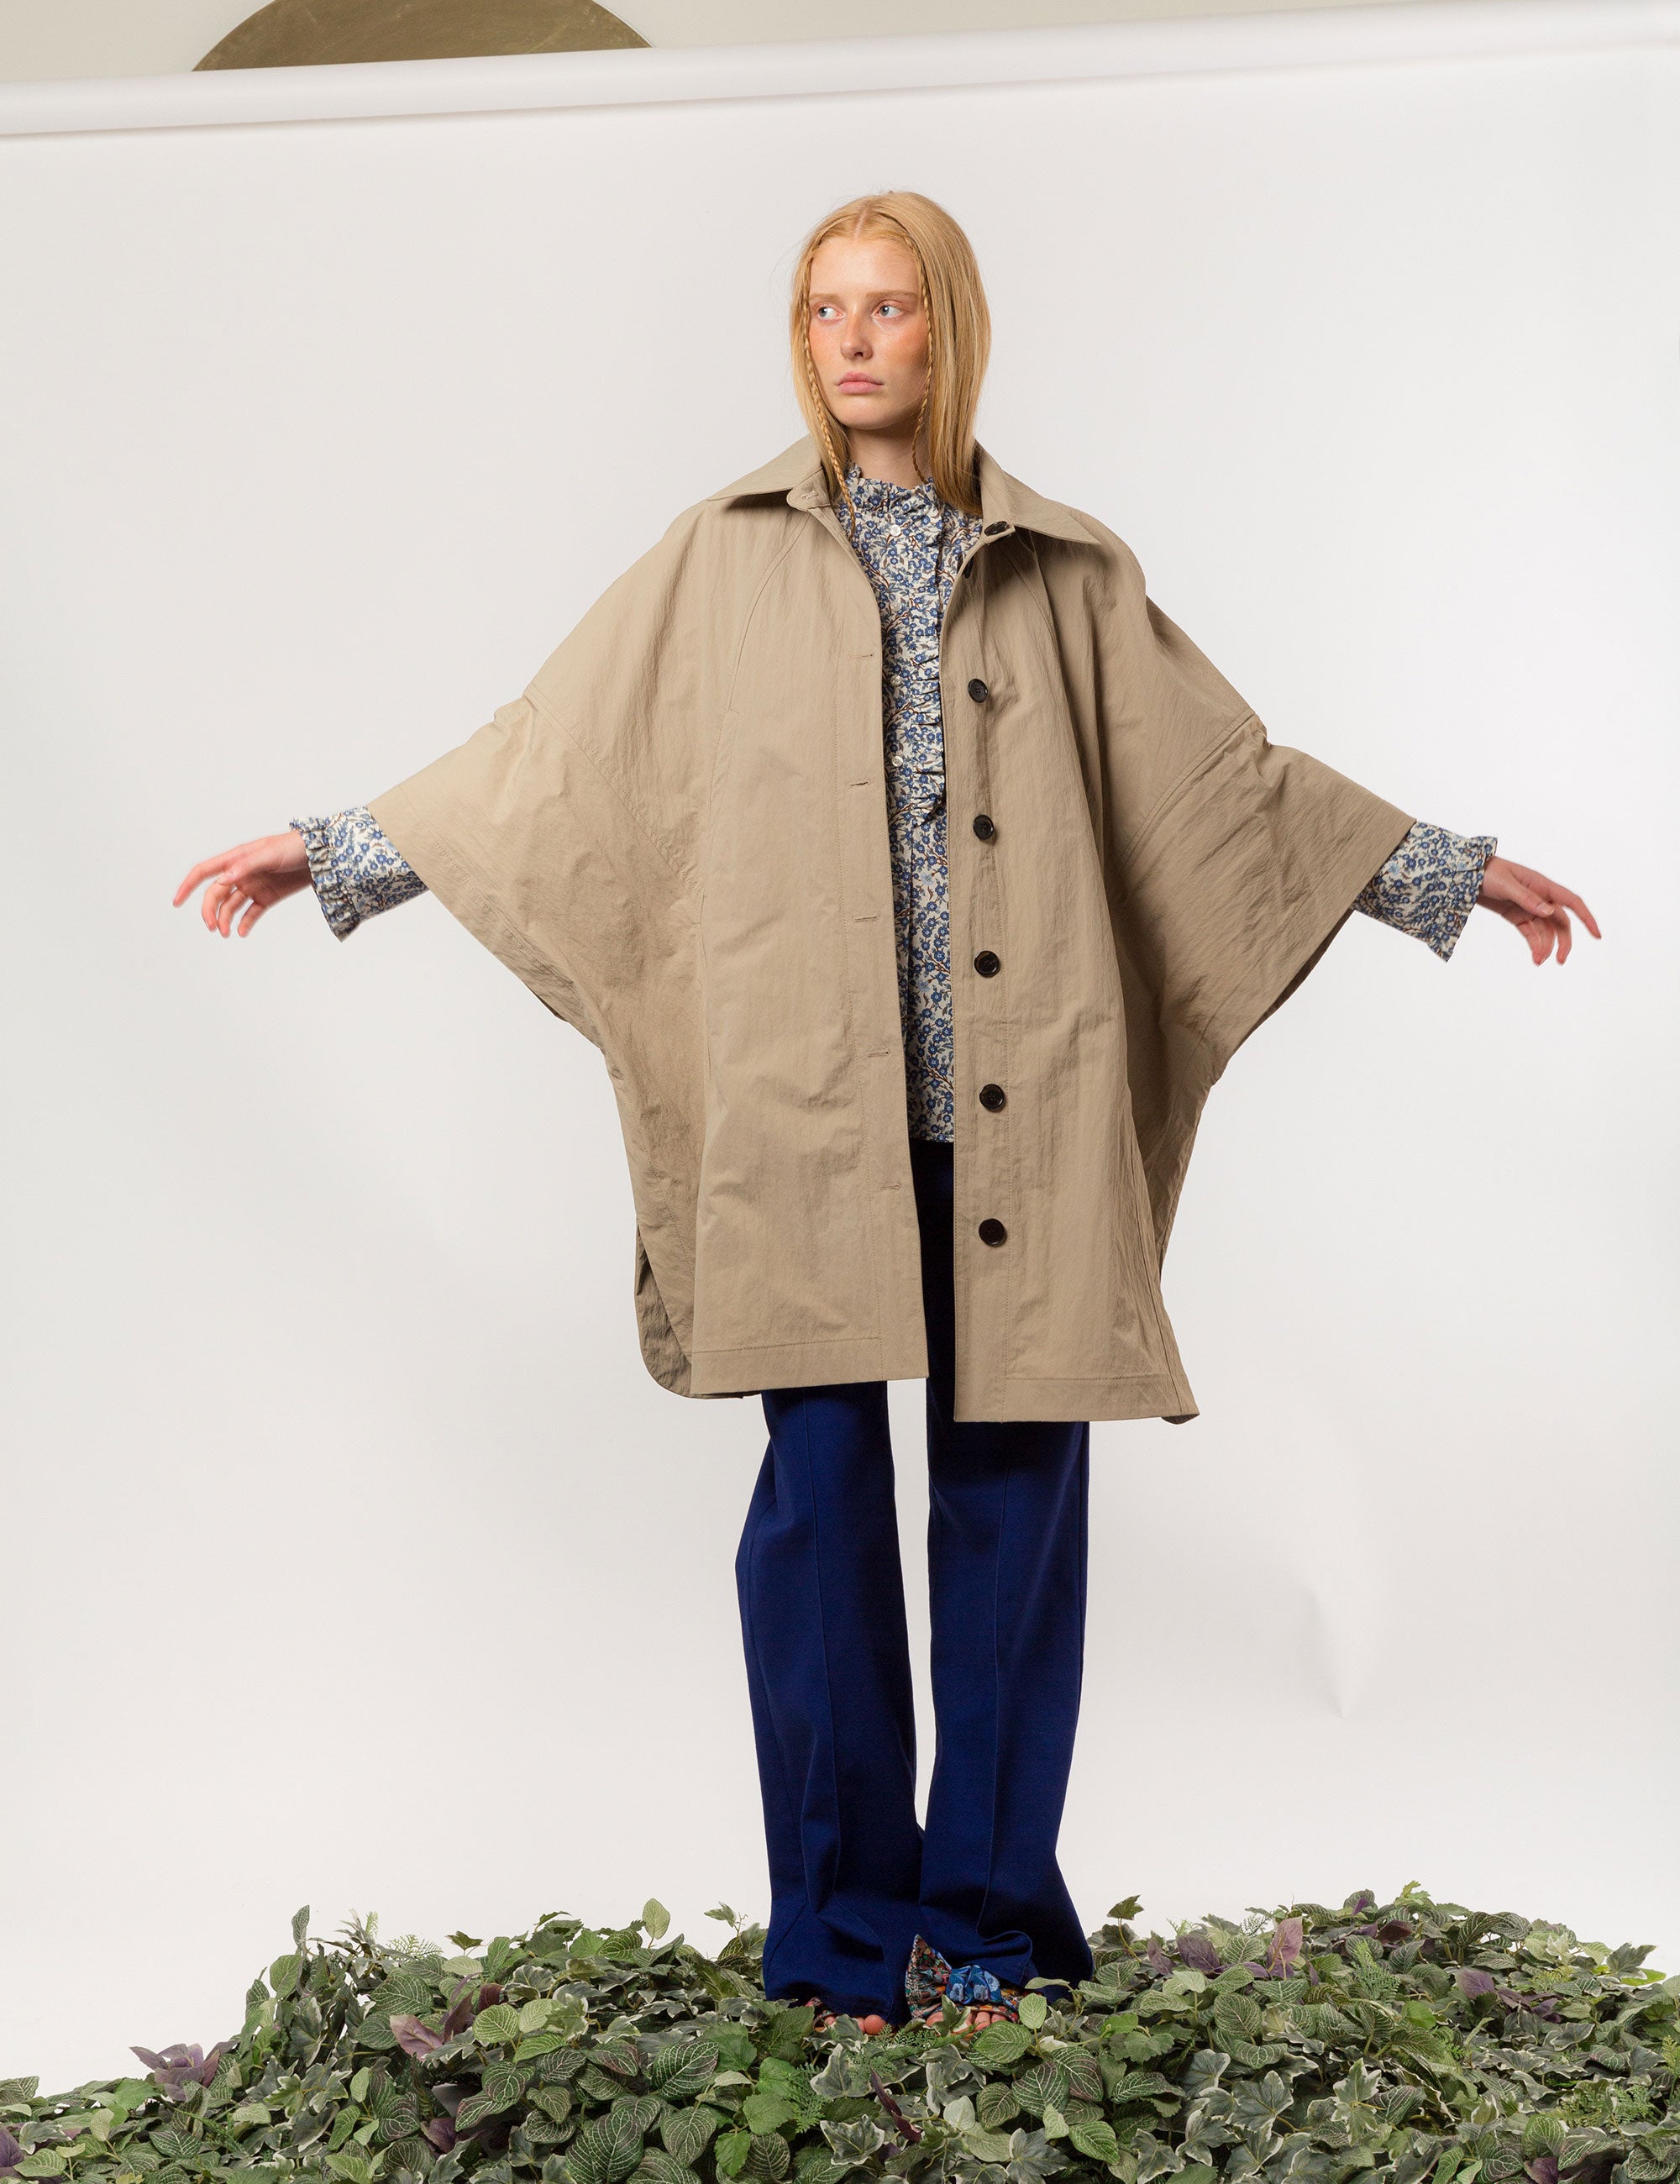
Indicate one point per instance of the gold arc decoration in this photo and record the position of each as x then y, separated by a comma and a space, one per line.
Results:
299, 33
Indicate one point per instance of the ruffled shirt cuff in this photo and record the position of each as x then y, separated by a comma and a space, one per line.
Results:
1428, 888
355, 868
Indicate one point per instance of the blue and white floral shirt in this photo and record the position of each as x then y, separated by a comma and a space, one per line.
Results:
911, 544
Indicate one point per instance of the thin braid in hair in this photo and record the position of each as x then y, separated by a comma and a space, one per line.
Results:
927, 384
829, 447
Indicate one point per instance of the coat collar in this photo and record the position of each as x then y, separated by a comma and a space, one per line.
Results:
796, 474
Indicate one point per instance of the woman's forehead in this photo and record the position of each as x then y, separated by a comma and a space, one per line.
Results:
879, 260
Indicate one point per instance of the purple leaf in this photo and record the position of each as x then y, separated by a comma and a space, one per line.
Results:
206, 2072
1286, 1947
1158, 1961
10, 2151
1198, 1951
1363, 1900
459, 2017
152, 2062
1543, 2169
442, 2133
414, 2038
1472, 1982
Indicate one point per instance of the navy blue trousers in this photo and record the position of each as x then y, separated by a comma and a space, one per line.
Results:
853, 1876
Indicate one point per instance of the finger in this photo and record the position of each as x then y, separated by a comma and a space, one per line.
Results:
210, 908
230, 903
1565, 936
250, 918
211, 865
1569, 896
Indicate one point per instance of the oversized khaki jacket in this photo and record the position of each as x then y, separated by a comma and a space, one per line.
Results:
677, 837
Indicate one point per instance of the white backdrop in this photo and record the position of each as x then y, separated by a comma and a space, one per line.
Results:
348, 1555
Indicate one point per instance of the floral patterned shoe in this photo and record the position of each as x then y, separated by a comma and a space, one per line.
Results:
931, 1981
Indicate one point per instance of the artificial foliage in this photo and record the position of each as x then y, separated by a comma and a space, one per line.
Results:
1409, 2040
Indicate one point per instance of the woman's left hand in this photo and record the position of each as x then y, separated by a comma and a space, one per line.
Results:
1537, 907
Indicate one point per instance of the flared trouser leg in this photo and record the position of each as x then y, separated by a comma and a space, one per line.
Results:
822, 1614
1008, 1547
852, 1878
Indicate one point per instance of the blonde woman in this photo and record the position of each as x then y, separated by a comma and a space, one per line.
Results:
916, 876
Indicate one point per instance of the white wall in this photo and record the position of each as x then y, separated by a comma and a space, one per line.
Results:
349, 1555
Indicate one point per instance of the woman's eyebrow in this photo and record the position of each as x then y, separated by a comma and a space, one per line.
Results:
871, 296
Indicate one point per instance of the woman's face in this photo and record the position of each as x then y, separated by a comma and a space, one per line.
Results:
868, 334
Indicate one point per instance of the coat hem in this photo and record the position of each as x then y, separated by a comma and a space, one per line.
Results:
846, 1360
837, 1362
1126, 1396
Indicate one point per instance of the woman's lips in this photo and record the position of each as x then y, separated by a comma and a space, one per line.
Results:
855, 383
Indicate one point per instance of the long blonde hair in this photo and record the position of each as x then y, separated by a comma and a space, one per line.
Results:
958, 335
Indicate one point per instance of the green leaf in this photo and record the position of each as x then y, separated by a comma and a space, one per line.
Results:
1096, 2141
1033, 2010
300, 1927
734, 2045
1237, 2017
659, 2167
683, 2068
284, 1974
766, 2112
785, 2032
498, 2023
655, 1918
768, 2157
1144, 2085
606, 2151
730, 2154
687, 2132
1000, 2045
502, 2086
501, 1957
995, 2104
1045, 2086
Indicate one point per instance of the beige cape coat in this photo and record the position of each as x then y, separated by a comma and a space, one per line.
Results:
677, 837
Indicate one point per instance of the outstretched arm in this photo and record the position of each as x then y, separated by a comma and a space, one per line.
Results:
355, 870
1435, 878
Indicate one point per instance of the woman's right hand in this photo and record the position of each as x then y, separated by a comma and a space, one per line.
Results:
257, 874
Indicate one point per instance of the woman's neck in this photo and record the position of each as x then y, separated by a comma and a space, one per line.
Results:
892, 459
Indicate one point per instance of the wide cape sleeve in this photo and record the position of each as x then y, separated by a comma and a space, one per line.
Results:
1233, 861
562, 835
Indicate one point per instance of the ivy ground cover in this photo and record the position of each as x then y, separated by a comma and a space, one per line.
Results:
1395, 2042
